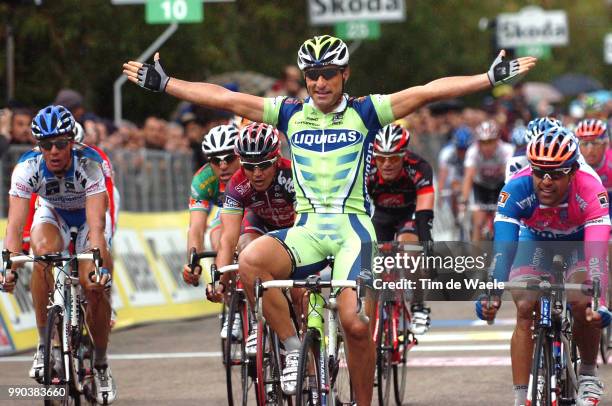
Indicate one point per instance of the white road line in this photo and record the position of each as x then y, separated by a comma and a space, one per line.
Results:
466, 336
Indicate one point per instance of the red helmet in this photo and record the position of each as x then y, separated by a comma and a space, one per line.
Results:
391, 139
591, 129
258, 141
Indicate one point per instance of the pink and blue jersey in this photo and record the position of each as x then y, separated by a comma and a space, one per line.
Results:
583, 216
604, 170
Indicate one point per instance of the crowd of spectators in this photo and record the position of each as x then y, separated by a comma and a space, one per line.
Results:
182, 133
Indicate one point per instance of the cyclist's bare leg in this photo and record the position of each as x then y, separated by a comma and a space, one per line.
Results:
479, 218
361, 347
45, 239
521, 344
98, 304
215, 236
585, 334
246, 239
267, 259
417, 294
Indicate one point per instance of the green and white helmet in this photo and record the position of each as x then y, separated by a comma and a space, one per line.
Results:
322, 50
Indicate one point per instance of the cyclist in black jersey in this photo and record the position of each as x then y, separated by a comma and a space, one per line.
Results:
401, 188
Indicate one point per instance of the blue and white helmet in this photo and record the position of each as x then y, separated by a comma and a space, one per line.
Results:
519, 136
540, 125
53, 121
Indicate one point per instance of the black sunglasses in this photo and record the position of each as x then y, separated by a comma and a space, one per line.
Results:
47, 145
327, 73
262, 165
228, 159
554, 174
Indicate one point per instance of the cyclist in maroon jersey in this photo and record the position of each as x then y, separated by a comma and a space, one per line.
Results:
259, 198
401, 188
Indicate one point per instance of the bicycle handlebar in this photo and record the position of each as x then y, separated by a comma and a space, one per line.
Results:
194, 260
51, 259
311, 283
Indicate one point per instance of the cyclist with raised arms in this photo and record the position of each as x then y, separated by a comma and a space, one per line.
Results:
70, 183
401, 188
208, 188
331, 137
552, 200
485, 166
259, 198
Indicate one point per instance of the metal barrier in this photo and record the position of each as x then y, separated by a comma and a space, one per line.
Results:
154, 181
147, 180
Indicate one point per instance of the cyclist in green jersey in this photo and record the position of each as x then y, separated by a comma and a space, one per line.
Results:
331, 137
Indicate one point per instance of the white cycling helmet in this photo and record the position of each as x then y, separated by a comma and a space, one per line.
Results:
321, 51
79, 133
487, 130
220, 139
391, 139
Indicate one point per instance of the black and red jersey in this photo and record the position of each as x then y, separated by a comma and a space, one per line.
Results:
399, 196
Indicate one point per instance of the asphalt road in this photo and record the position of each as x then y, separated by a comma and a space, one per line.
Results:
457, 363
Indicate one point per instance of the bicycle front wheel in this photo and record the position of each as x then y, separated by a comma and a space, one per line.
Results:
400, 352
308, 390
384, 352
342, 388
539, 389
268, 366
54, 371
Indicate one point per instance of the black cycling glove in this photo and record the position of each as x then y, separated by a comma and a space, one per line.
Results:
153, 77
503, 71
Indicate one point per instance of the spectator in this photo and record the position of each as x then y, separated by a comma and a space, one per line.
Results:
154, 133
73, 101
290, 84
176, 140
15, 125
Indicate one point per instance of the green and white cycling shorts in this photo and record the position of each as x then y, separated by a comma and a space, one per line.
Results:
349, 238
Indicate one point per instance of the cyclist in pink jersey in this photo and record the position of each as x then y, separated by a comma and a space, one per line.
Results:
594, 144
548, 205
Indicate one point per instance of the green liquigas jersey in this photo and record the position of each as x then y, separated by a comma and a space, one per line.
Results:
331, 152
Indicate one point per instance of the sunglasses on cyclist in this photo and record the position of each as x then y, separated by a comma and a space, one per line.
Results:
327, 73
48, 145
228, 159
553, 174
395, 158
262, 165
591, 143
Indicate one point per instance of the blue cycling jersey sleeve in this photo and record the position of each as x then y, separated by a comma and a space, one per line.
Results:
504, 249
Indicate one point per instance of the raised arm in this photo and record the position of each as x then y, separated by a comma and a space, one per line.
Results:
153, 77
501, 71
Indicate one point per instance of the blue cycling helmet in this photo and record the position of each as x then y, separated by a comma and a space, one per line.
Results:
539, 125
53, 121
462, 137
519, 136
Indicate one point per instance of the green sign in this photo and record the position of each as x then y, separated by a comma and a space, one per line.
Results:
174, 11
358, 30
542, 52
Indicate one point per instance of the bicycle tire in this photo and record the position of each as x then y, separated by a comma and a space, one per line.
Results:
568, 381
236, 361
51, 376
268, 366
604, 343
341, 385
384, 352
223, 340
308, 388
538, 392
400, 363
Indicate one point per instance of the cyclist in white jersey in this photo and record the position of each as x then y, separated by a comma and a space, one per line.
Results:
70, 183
331, 137
485, 165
